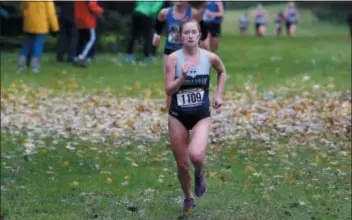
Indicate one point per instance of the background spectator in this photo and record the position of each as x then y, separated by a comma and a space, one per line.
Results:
86, 21
67, 41
142, 23
38, 19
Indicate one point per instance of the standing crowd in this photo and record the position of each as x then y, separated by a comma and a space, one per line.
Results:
75, 25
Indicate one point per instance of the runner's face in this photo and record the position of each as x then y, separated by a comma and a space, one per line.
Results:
181, 3
190, 34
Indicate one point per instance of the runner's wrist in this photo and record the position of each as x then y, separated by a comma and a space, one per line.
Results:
218, 94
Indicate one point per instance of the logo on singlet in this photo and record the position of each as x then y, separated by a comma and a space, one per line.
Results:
192, 72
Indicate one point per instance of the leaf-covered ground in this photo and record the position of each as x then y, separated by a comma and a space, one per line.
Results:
92, 143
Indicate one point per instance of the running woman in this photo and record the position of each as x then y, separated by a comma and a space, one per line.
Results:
172, 17
280, 18
187, 82
244, 22
291, 15
261, 18
212, 17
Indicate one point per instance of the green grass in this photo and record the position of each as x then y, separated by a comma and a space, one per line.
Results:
268, 61
60, 183
245, 180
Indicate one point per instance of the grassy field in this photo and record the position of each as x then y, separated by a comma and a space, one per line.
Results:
91, 143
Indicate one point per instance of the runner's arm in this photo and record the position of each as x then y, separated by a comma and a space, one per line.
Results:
218, 65
220, 13
160, 20
172, 85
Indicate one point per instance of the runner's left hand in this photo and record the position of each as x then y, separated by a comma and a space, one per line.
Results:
217, 102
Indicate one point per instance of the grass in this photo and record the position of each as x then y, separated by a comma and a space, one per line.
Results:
105, 181
244, 183
268, 61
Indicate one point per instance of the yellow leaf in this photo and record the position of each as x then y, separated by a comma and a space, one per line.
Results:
331, 85
288, 177
137, 85
147, 93
245, 185
189, 211
298, 107
163, 110
109, 180
210, 174
249, 169
130, 122
66, 164
140, 108
43, 151
275, 107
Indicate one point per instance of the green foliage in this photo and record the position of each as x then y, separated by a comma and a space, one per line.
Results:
333, 11
114, 28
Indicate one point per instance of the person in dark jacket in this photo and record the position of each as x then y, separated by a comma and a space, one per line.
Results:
142, 24
349, 21
154, 48
67, 41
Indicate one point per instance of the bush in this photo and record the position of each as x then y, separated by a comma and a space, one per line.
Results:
334, 12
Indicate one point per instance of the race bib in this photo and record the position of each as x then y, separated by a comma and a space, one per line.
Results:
173, 36
208, 17
190, 98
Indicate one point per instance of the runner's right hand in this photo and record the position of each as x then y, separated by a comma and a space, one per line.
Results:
184, 70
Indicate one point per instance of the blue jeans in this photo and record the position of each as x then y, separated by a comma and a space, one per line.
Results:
33, 43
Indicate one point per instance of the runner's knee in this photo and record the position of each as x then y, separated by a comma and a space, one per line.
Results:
182, 165
197, 156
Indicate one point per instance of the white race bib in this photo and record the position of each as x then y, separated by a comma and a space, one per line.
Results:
190, 98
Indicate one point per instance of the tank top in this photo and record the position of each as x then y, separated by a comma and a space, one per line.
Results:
291, 17
259, 18
193, 94
243, 21
277, 22
172, 29
213, 7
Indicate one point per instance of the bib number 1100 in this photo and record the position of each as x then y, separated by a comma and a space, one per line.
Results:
190, 98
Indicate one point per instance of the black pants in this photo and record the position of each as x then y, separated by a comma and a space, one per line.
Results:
67, 41
141, 24
86, 41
